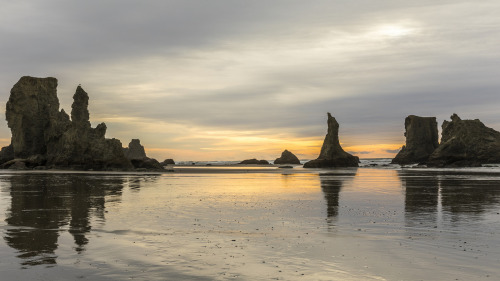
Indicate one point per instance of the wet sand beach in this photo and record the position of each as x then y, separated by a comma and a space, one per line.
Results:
213, 223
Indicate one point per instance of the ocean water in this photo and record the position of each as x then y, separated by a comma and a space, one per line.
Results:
371, 223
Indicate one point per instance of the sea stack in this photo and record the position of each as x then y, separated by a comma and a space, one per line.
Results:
44, 136
466, 143
287, 158
332, 154
421, 140
136, 153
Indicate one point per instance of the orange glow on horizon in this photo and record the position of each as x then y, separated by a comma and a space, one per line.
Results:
374, 150
235, 151
188, 142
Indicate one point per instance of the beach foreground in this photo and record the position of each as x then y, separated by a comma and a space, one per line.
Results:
252, 224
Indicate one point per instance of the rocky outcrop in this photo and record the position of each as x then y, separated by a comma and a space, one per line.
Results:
332, 154
287, 158
167, 162
466, 143
254, 162
32, 108
6, 154
421, 140
147, 164
44, 136
136, 153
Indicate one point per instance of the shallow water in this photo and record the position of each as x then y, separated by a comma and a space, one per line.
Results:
351, 224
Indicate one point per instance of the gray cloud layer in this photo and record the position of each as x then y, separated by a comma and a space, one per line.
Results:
262, 65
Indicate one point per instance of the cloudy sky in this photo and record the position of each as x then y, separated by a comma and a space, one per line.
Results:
235, 79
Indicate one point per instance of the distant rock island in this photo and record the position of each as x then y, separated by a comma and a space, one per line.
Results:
332, 154
44, 137
254, 162
287, 158
421, 140
464, 143
167, 162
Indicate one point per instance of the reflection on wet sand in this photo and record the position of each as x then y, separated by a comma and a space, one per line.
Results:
464, 199
421, 199
43, 204
430, 196
339, 224
331, 185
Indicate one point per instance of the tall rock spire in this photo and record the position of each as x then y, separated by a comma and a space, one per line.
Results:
80, 108
332, 154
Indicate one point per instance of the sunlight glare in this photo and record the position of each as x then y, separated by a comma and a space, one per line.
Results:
393, 31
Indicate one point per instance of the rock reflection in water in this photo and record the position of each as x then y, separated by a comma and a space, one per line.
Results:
43, 204
457, 196
467, 197
331, 185
421, 199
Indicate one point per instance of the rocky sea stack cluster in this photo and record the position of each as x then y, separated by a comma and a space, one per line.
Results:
332, 154
45, 137
464, 143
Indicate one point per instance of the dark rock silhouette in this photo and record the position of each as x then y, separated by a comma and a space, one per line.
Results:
7, 153
137, 155
147, 164
30, 111
466, 143
332, 154
421, 140
287, 158
135, 151
43, 135
167, 162
255, 162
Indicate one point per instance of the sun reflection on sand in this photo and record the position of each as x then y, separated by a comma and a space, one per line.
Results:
377, 181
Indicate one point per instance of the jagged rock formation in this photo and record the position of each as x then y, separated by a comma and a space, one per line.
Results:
137, 155
167, 162
466, 143
287, 158
43, 135
332, 154
421, 140
254, 162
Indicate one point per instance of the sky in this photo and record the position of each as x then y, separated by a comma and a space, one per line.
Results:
233, 79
